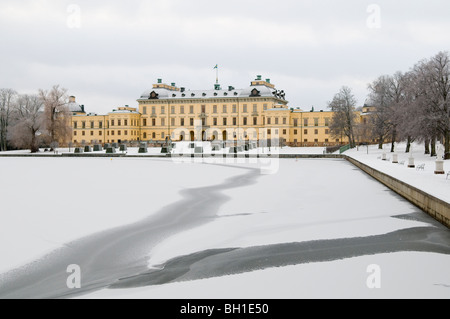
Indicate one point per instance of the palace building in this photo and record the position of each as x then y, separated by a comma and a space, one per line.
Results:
165, 111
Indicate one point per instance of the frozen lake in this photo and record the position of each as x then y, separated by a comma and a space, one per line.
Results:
152, 228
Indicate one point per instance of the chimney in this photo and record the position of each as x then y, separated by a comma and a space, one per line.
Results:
173, 84
268, 80
258, 77
159, 81
82, 108
230, 88
72, 99
182, 90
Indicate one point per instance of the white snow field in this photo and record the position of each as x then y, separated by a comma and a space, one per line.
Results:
49, 202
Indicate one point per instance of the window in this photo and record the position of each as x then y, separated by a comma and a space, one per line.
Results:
284, 132
255, 108
337, 141
305, 140
83, 133
316, 132
153, 135
75, 133
276, 132
92, 133
172, 109
182, 122
144, 135
327, 121
107, 133
284, 121
119, 123
125, 133
215, 109
83, 124
327, 132
203, 108
163, 110
234, 108
255, 121
144, 122
276, 121
163, 135
172, 122
182, 109
92, 124
295, 132
305, 122
203, 122
269, 121
295, 122
119, 133
269, 131
153, 110
305, 132
144, 110
245, 121
75, 124
224, 109
224, 121
316, 122
316, 141
326, 140
234, 121
125, 122
265, 107
215, 121
112, 123
153, 122
100, 124
163, 122
191, 109
100, 133
245, 108
112, 133
191, 122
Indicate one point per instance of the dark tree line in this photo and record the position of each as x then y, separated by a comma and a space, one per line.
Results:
28, 121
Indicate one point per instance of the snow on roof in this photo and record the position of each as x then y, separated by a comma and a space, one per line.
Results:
264, 91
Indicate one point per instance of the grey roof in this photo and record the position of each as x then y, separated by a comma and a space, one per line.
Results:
123, 112
75, 107
209, 94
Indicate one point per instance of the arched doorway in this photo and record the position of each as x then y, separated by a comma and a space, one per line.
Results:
215, 136
192, 136
182, 137
224, 136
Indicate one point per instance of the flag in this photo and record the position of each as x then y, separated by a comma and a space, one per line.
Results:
216, 67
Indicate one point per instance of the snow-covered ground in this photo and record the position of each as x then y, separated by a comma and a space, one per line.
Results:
426, 180
48, 202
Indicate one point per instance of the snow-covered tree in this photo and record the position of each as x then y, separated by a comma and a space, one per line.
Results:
28, 122
7, 100
344, 117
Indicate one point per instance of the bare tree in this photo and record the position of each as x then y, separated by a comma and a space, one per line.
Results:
56, 114
29, 120
7, 98
344, 117
382, 118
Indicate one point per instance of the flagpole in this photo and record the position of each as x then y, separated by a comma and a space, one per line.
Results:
217, 75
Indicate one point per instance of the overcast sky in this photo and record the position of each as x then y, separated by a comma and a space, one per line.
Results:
108, 52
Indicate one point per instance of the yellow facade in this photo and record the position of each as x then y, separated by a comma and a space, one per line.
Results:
259, 112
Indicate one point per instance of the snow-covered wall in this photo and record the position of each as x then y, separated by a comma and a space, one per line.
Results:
438, 209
